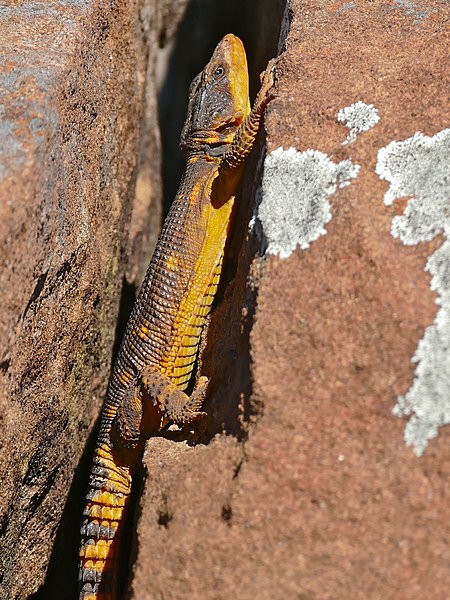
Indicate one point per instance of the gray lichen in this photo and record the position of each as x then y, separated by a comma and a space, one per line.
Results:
358, 117
294, 208
420, 167
413, 9
346, 6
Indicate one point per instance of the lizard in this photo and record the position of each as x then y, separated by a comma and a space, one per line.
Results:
156, 359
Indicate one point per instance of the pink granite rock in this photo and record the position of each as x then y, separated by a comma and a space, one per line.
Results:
310, 490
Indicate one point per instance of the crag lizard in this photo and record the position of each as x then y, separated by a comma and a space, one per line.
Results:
159, 349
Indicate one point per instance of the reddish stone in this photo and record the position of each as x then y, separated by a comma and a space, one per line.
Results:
74, 86
315, 495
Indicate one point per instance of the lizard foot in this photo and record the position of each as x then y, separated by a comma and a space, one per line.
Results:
267, 78
174, 403
182, 408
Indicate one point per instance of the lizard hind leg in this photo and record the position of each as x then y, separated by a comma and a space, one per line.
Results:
126, 426
173, 403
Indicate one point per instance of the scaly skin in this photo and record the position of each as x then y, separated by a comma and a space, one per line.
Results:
161, 341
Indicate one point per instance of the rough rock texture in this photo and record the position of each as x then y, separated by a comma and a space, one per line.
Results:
76, 81
310, 491
299, 483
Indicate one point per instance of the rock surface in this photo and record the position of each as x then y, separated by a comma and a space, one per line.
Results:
299, 484
77, 81
308, 490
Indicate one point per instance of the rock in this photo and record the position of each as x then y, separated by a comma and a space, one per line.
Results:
77, 82
306, 488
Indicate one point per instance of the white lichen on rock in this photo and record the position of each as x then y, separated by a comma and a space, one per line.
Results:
420, 167
294, 208
346, 6
358, 117
414, 9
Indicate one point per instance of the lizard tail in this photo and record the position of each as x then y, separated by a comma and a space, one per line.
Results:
106, 503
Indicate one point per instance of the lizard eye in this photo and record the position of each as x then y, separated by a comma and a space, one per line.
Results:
218, 72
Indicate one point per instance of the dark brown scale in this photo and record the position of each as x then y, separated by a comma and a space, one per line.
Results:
162, 290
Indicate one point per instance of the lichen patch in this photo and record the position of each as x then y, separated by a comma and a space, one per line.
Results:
358, 117
419, 167
295, 197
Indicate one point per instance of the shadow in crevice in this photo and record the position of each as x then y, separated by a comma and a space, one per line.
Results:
127, 300
226, 359
128, 550
62, 573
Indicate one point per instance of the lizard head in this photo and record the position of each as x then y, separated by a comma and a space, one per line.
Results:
218, 97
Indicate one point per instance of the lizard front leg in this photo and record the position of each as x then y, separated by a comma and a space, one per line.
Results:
245, 136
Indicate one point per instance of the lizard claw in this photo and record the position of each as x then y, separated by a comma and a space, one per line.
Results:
202, 383
268, 79
197, 397
269, 72
192, 407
